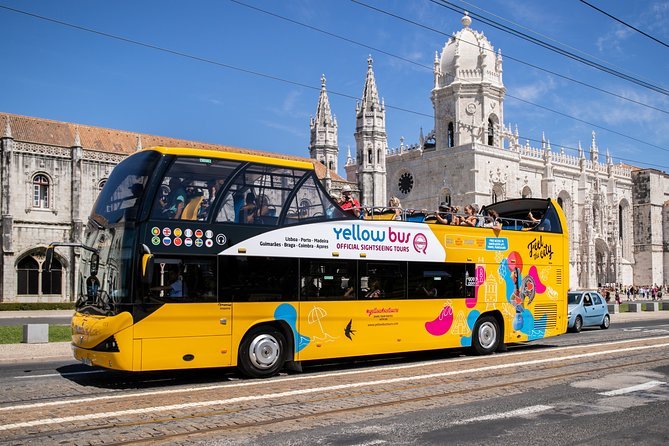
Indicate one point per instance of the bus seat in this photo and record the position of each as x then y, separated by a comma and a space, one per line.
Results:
192, 207
416, 217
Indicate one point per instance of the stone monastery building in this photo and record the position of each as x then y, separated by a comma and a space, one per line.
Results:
51, 173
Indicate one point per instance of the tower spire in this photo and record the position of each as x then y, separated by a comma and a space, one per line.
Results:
371, 143
323, 145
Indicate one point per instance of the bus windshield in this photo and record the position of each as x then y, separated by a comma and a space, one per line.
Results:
120, 197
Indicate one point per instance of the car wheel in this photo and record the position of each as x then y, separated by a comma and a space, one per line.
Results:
262, 352
486, 335
606, 323
578, 324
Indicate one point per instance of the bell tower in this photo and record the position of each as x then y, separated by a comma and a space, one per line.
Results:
371, 143
323, 144
468, 93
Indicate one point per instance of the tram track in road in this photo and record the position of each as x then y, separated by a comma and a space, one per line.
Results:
360, 402
200, 383
169, 438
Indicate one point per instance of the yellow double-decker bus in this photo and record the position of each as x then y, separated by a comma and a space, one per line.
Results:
197, 258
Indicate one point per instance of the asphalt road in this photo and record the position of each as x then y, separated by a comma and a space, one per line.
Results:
595, 387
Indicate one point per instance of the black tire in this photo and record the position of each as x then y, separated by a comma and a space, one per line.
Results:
578, 324
262, 352
606, 323
486, 335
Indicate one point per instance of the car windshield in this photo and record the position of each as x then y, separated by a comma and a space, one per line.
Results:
573, 298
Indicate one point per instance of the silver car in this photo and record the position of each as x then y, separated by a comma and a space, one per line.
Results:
587, 309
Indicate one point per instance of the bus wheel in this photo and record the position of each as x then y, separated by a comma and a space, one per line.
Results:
262, 352
485, 335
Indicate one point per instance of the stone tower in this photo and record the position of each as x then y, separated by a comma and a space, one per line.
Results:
468, 94
371, 143
323, 144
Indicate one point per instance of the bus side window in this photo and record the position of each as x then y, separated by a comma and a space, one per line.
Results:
257, 279
328, 279
184, 280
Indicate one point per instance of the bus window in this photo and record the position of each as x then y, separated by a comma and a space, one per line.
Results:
189, 188
328, 279
550, 222
258, 195
184, 280
119, 199
257, 279
311, 204
440, 280
383, 280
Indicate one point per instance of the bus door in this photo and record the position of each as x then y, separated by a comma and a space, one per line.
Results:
189, 328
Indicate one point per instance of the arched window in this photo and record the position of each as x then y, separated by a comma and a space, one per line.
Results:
370, 156
620, 221
34, 281
446, 197
331, 165
491, 132
451, 135
28, 276
494, 196
52, 281
560, 202
527, 192
41, 191
378, 156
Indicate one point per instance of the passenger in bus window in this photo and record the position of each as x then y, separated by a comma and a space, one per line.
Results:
309, 289
173, 204
375, 291
264, 208
247, 211
532, 220
347, 286
175, 287
429, 289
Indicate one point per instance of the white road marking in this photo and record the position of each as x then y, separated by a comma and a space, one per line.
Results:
59, 374
306, 391
118, 394
500, 416
637, 388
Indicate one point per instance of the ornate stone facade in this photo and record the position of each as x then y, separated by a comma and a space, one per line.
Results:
614, 211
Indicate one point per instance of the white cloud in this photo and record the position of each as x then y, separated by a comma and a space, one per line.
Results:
300, 133
534, 91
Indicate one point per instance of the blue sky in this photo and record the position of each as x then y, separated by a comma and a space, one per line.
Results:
57, 72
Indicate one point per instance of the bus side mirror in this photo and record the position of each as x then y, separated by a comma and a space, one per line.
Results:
147, 269
95, 262
48, 259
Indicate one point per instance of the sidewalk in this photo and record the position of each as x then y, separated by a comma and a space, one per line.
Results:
61, 351
35, 314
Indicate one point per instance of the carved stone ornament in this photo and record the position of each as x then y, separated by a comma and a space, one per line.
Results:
498, 176
471, 108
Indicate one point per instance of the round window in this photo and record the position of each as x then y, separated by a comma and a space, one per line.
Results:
406, 183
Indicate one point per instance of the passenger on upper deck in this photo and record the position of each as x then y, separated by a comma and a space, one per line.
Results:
347, 202
492, 220
470, 219
247, 211
173, 204
445, 215
541, 224
395, 205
